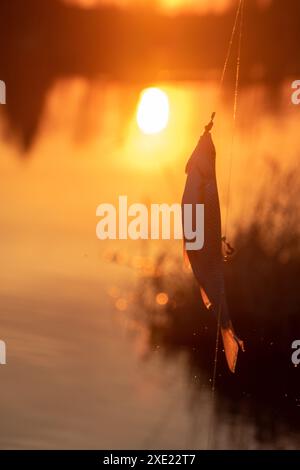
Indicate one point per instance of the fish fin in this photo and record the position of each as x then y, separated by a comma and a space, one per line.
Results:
205, 298
232, 344
186, 261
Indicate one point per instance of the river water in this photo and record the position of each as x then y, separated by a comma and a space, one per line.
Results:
77, 374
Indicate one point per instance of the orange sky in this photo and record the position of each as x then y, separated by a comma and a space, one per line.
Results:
169, 5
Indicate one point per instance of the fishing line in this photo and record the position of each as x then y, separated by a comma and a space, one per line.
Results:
238, 23
235, 105
213, 388
230, 44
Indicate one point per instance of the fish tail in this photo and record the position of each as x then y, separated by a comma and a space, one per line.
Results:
232, 344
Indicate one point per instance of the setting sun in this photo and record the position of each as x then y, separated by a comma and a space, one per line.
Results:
153, 111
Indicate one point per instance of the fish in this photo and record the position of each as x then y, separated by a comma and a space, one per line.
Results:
207, 263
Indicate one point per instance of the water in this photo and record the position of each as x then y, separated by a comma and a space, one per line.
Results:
80, 372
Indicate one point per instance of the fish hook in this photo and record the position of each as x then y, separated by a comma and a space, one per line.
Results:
209, 126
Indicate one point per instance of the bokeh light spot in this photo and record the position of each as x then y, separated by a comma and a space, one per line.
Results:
162, 298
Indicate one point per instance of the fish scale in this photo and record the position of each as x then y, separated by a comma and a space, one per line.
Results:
207, 263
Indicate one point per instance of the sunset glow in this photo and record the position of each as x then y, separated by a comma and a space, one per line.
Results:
153, 111
199, 6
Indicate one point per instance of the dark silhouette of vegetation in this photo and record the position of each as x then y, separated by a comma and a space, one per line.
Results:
43, 41
264, 297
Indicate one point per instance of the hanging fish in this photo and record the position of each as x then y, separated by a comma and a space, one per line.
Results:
207, 263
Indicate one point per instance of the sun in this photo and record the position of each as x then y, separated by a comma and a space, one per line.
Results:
153, 111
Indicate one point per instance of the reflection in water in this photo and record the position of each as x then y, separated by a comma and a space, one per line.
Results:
64, 339
263, 291
262, 284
